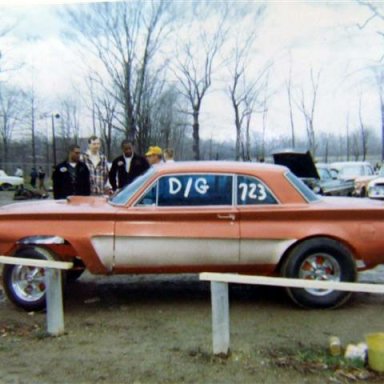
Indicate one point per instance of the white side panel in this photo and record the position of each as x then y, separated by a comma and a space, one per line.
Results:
153, 251
104, 249
263, 251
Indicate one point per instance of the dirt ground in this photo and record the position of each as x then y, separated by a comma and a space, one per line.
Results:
157, 329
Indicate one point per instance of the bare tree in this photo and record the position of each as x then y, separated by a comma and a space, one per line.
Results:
11, 109
32, 105
106, 113
377, 12
308, 109
194, 70
289, 94
355, 145
379, 78
347, 136
125, 37
363, 132
244, 98
69, 122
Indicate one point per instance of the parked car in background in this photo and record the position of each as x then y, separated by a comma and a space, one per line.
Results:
332, 185
362, 183
193, 217
9, 182
351, 170
317, 176
375, 188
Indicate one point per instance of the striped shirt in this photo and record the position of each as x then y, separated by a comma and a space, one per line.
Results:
98, 174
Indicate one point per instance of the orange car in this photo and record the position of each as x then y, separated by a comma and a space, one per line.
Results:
198, 216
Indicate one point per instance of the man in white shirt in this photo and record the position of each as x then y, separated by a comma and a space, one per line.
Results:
127, 167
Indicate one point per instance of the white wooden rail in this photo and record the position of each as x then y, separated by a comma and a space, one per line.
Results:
54, 295
220, 303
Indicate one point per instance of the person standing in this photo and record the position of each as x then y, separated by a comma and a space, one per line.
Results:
154, 155
41, 177
127, 167
33, 176
71, 177
19, 172
97, 165
169, 155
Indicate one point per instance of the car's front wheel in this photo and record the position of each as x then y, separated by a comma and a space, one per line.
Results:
25, 286
319, 259
6, 187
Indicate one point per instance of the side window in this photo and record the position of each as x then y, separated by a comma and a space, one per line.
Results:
194, 190
251, 191
149, 198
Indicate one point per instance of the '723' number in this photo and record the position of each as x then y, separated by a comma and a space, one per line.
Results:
252, 191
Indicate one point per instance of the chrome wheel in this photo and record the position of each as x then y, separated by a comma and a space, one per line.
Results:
28, 282
319, 258
320, 266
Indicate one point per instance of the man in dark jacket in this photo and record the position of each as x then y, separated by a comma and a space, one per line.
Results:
71, 177
126, 167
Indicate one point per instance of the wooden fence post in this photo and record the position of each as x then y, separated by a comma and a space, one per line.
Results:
220, 317
54, 302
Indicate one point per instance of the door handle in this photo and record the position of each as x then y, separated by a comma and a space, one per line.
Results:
230, 216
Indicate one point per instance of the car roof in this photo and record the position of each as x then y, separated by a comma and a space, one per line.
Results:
346, 163
220, 166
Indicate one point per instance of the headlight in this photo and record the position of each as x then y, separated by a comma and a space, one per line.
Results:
316, 189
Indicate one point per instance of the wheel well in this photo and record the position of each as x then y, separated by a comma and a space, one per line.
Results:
62, 249
294, 245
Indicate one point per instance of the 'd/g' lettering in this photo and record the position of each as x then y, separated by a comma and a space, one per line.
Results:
200, 185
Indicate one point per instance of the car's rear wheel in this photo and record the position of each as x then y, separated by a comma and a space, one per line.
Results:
25, 286
319, 259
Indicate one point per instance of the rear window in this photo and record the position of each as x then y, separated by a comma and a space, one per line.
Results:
303, 189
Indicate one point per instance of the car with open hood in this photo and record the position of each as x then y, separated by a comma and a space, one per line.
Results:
190, 217
317, 176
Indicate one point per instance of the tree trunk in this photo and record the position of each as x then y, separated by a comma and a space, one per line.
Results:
196, 137
382, 127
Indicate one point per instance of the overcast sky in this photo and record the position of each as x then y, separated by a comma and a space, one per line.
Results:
312, 34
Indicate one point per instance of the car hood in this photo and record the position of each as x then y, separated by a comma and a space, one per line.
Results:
377, 180
365, 179
73, 204
299, 162
11, 178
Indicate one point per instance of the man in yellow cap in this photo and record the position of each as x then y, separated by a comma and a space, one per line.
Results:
154, 155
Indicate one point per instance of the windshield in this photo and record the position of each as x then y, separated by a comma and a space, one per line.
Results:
122, 197
352, 170
303, 189
324, 173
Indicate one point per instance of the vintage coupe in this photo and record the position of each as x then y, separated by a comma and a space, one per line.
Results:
198, 216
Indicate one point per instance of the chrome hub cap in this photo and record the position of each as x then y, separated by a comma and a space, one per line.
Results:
28, 282
320, 266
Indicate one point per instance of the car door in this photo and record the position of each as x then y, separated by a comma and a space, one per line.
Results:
182, 222
262, 227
